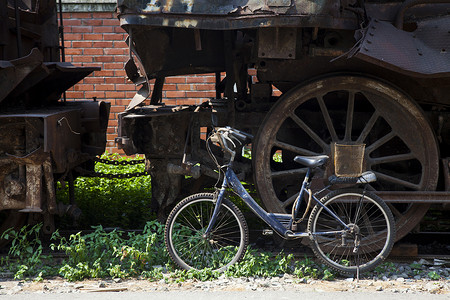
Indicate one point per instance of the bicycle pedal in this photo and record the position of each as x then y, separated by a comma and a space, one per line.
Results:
267, 232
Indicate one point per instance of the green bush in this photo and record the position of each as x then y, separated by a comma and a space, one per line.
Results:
123, 203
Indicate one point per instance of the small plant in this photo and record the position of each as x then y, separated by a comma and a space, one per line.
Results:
25, 257
433, 275
123, 203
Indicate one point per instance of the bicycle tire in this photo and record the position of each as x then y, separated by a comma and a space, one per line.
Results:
374, 227
185, 240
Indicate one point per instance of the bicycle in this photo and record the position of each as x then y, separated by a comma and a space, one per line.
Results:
351, 230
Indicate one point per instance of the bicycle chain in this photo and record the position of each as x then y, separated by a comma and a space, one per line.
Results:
119, 163
116, 163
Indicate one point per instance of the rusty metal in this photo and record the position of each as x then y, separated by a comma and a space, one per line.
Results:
299, 48
408, 4
42, 137
422, 53
422, 197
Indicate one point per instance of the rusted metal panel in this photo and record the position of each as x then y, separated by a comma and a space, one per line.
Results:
277, 43
238, 14
422, 53
225, 7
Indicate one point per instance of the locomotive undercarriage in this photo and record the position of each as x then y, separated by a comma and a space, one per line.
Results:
329, 91
43, 137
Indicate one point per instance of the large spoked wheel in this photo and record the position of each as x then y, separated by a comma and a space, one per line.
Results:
400, 144
366, 244
187, 243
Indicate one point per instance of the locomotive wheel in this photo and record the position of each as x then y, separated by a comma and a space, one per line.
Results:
10, 219
400, 144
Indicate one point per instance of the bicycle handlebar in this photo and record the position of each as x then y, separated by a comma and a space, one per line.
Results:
227, 135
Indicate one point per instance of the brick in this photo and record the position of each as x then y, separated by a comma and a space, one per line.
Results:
71, 22
190, 101
84, 87
103, 29
125, 87
92, 22
204, 87
104, 87
73, 51
81, 29
82, 58
121, 72
81, 44
94, 80
111, 22
112, 66
104, 73
116, 51
185, 87
115, 80
99, 94
93, 51
117, 109
114, 94
120, 58
105, 15
72, 36
74, 94
175, 80
129, 95
93, 37
122, 102
175, 94
113, 123
112, 37
199, 94
102, 44
170, 102
170, 87
103, 58
195, 79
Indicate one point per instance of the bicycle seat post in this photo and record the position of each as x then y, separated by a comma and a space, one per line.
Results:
299, 199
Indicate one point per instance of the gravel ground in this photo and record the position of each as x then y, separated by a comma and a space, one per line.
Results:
403, 282
285, 283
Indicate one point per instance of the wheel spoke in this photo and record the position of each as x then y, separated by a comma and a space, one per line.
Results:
309, 131
367, 128
294, 149
381, 141
327, 118
397, 181
349, 120
391, 158
278, 174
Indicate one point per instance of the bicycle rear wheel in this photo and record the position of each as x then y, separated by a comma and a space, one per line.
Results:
187, 243
368, 242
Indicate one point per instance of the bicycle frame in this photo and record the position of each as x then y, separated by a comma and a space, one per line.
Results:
231, 180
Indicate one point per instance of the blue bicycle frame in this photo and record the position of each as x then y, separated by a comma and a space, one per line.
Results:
231, 180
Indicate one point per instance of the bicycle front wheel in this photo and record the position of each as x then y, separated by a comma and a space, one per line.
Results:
191, 248
368, 240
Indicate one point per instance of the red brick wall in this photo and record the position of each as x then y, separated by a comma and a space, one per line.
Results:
96, 39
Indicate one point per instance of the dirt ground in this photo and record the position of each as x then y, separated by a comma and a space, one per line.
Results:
285, 283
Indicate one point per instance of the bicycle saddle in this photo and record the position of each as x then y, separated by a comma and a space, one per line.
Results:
311, 161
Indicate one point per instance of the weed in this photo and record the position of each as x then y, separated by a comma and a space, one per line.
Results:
121, 203
434, 275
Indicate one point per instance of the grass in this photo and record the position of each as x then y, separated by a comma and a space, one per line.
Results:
123, 203
118, 254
